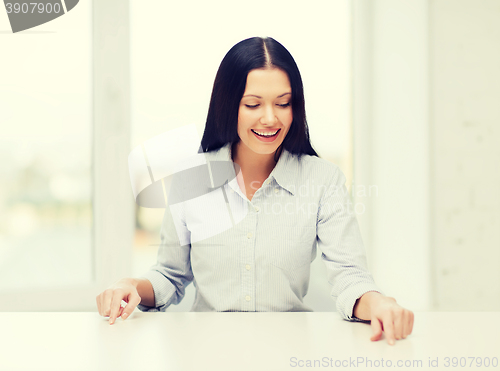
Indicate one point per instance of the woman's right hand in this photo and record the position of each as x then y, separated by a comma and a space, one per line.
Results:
110, 300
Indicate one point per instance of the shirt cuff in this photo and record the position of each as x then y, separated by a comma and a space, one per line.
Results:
347, 299
163, 290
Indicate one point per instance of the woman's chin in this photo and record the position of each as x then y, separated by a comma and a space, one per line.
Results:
265, 149
260, 148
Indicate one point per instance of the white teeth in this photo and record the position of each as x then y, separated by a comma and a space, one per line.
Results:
265, 134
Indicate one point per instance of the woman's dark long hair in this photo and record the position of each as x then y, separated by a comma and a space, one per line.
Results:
229, 86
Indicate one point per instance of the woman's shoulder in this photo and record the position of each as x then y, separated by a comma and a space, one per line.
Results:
219, 154
313, 166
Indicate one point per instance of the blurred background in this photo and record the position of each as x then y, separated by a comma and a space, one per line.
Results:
402, 95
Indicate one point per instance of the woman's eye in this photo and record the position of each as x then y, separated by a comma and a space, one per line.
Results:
256, 105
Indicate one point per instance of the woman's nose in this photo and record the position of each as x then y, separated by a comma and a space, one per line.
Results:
268, 117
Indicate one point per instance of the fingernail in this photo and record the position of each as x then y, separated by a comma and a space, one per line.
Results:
111, 321
391, 342
124, 315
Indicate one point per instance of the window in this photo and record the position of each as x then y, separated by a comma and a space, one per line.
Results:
45, 152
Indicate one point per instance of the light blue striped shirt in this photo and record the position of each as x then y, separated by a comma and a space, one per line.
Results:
255, 255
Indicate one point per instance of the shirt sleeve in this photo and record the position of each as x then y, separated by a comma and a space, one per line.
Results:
172, 272
341, 244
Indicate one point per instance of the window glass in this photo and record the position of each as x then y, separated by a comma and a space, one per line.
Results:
45, 153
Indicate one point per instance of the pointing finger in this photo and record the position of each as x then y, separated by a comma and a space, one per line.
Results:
377, 329
389, 328
115, 306
106, 297
408, 321
399, 317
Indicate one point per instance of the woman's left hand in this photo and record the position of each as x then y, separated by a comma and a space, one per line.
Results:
390, 317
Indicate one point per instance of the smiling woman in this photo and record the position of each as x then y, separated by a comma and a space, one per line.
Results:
259, 234
263, 82
258, 85
169, 91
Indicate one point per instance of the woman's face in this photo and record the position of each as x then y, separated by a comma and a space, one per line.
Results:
265, 112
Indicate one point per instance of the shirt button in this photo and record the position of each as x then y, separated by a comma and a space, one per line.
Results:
247, 298
257, 209
247, 267
249, 235
276, 190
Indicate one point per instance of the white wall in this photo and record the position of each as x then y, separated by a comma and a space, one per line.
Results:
426, 118
465, 121
391, 153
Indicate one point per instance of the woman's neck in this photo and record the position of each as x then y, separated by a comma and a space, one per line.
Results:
254, 168
253, 164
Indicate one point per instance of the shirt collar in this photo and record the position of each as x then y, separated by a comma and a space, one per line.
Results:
284, 173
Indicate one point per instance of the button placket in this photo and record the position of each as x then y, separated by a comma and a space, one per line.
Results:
247, 261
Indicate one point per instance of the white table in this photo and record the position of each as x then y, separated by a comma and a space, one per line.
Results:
239, 341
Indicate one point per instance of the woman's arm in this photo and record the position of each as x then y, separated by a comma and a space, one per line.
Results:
145, 290
339, 239
358, 297
165, 282
362, 306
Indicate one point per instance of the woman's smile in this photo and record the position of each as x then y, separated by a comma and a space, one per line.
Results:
266, 135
